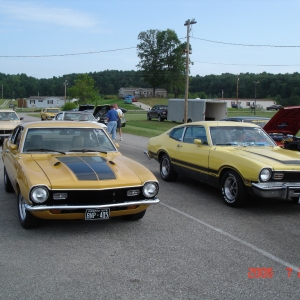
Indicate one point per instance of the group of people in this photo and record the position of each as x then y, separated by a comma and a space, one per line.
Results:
114, 116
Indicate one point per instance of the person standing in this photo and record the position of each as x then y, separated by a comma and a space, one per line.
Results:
119, 124
112, 118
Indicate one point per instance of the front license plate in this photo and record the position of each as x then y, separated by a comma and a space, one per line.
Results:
97, 214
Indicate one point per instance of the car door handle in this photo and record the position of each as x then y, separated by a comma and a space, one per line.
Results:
178, 145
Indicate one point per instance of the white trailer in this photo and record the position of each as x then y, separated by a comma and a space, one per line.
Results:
198, 110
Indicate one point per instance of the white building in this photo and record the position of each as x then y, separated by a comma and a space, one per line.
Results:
45, 101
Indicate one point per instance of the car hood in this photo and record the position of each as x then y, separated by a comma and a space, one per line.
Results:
9, 125
285, 121
276, 157
101, 110
88, 171
85, 107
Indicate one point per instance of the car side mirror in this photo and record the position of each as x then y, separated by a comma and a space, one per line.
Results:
13, 146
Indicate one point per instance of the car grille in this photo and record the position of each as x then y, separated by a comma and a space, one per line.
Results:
8, 131
291, 177
100, 197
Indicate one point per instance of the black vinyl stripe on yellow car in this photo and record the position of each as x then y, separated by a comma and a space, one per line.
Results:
284, 162
88, 167
197, 167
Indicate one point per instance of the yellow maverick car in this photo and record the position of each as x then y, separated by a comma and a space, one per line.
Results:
239, 158
73, 170
8, 121
49, 113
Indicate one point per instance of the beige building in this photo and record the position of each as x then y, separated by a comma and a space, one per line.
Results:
142, 92
244, 103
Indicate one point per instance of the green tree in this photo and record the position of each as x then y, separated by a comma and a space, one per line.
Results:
161, 59
84, 89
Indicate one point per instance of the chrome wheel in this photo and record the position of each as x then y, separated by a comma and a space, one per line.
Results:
233, 189
27, 220
167, 172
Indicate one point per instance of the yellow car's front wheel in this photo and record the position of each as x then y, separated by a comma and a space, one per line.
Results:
27, 220
233, 189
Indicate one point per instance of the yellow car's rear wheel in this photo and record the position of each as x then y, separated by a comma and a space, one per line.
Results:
7, 183
167, 171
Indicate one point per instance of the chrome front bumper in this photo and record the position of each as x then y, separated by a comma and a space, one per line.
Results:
75, 207
281, 190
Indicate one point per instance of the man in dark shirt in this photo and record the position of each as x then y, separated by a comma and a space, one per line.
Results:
112, 118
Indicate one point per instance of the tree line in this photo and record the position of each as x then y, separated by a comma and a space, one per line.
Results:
283, 88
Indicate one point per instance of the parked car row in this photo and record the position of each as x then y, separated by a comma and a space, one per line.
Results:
236, 155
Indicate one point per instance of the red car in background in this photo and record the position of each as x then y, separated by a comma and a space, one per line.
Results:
284, 126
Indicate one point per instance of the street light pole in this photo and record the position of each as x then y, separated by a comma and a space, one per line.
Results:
187, 52
255, 82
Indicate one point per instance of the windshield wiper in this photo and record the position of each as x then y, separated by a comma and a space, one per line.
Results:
45, 150
86, 150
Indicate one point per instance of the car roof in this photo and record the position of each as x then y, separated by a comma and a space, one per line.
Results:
71, 124
218, 123
7, 110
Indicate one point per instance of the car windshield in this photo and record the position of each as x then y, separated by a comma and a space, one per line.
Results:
52, 110
67, 140
78, 117
8, 116
241, 136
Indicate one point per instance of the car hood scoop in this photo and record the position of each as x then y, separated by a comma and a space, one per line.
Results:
285, 121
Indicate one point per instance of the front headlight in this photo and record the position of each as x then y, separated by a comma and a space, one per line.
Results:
265, 174
39, 194
150, 189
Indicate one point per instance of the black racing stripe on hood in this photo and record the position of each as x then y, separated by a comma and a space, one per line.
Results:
88, 167
284, 162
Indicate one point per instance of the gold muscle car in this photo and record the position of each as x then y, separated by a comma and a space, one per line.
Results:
8, 121
239, 158
49, 113
73, 170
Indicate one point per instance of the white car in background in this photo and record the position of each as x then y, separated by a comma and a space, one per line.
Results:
8, 121
77, 116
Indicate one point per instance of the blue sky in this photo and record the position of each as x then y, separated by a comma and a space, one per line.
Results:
108, 31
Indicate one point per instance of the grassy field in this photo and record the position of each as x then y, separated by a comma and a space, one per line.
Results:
136, 118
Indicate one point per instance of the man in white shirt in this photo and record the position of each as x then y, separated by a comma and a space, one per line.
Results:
119, 124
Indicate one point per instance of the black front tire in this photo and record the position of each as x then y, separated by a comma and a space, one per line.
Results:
295, 200
7, 184
27, 220
233, 189
167, 171
160, 119
135, 217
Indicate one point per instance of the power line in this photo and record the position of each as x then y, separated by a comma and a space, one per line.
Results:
122, 49
67, 54
213, 63
246, 45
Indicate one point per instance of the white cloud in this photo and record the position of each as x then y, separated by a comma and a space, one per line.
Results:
37, 12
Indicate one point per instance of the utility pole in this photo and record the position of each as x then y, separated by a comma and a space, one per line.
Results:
65, 84
237, 91
255, 82
2, 92
187, 52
